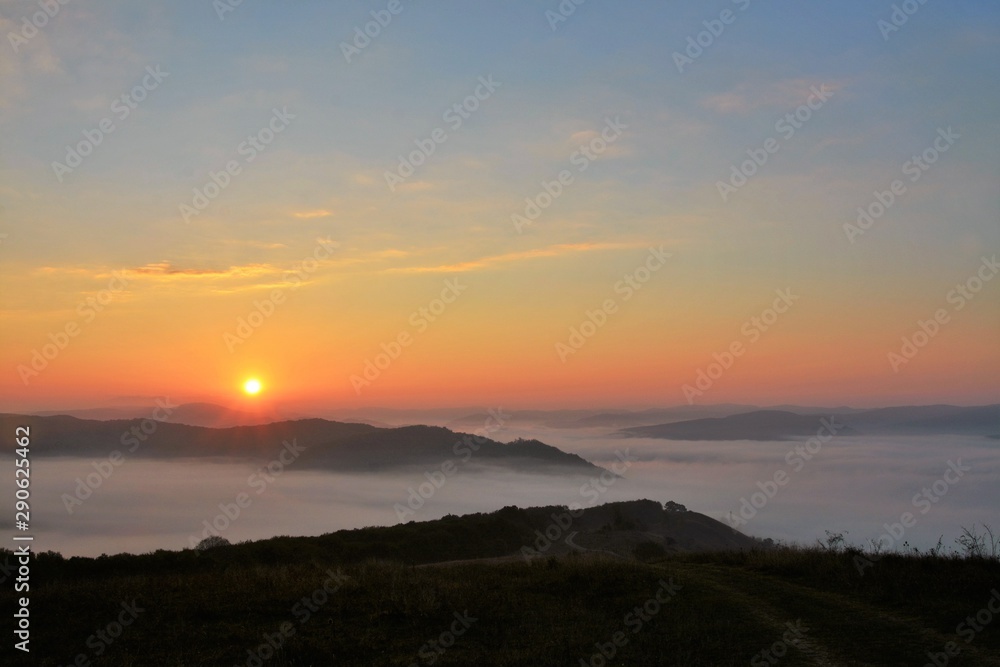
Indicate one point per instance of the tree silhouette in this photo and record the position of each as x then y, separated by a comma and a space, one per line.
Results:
213, 541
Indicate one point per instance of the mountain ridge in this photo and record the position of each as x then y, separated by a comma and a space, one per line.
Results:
324, 444
981, 420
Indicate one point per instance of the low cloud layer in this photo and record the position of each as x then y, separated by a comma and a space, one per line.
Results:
851, 484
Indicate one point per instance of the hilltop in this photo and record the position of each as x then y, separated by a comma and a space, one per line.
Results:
440, 592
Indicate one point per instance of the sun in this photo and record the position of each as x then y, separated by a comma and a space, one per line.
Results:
252, 386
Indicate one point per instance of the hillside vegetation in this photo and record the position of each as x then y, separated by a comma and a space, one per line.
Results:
438, 593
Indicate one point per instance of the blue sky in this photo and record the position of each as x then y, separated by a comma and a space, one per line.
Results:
323, 176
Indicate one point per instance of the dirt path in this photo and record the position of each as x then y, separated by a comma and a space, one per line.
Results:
841, 630
768, 612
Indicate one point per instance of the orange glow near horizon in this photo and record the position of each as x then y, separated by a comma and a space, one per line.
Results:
202, 337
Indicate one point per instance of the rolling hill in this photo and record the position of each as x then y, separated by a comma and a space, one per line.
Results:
396, 595
326, 444
782, 424
757, 425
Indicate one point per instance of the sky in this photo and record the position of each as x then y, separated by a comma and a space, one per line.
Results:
527, 204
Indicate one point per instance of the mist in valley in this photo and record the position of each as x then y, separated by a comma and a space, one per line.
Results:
860, 486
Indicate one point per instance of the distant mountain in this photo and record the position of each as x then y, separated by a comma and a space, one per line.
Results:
618, 418
219, 416
929, 419
382, 448
192, 414
70, 436
604, 418
403, 417
782, 424
757, 425
325, 444
129, 412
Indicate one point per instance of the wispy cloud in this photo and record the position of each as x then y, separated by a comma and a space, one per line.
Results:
28, 64
391, 253
168, 269
415, 186
747, 97
162, 270
263, 245
308, 215
486, 262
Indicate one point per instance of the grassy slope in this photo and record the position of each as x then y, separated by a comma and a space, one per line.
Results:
730, 607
